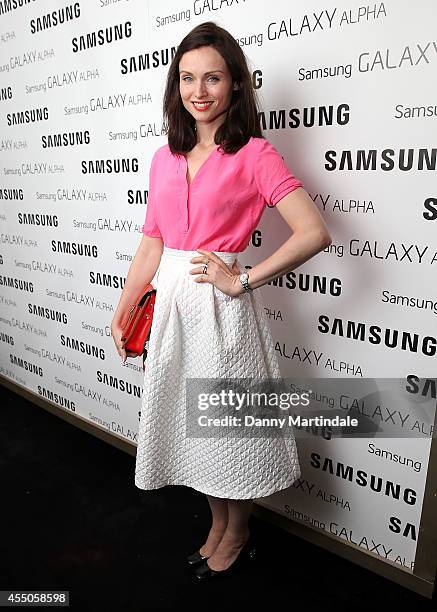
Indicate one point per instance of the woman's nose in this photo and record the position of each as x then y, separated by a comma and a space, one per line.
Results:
200, 91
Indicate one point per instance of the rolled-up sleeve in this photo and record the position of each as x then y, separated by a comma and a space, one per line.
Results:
150, 227
273, 177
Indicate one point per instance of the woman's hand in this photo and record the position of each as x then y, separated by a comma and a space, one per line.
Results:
117, 331
219, 274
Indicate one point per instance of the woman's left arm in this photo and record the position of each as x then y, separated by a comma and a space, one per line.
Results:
310, 236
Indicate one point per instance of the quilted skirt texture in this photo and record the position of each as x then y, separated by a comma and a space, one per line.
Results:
200, 332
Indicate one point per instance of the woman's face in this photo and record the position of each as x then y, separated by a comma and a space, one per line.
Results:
196, 85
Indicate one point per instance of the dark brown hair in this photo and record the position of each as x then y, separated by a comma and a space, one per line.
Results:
242, 118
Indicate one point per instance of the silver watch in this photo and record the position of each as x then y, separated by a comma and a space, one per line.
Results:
244, 279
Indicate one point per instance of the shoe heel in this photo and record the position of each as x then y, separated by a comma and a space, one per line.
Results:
195, 559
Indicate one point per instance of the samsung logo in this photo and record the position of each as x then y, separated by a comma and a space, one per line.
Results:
28, 116
33, 368
65, 139
374, 334
55, 18
6, 6
60, 400
363, 479
74, 248
11, 194
83, 347
109, 166
386, 159
43, 220
16, 283
146, 61
106, 280
47, 313
104, 36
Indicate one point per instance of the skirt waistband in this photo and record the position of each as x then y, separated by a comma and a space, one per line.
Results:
183, 256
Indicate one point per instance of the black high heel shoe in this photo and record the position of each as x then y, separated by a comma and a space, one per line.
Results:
196, 559
246, 554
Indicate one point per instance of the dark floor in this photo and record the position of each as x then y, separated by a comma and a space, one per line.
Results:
72, 519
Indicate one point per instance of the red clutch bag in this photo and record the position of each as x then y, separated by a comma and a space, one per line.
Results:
136, 331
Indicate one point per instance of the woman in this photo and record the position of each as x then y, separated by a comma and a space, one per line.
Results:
208, 188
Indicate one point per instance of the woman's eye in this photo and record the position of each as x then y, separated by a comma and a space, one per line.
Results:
212, 77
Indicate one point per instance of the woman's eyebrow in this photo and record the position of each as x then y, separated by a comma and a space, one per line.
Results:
210, 72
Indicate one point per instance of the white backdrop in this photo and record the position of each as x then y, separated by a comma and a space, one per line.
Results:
348, 96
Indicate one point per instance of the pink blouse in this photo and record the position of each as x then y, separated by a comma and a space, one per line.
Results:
223, 204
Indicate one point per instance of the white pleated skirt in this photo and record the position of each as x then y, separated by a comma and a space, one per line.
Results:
200, 332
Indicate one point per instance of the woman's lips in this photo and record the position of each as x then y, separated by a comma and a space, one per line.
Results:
201, 107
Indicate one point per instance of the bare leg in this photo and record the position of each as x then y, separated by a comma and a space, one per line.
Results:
219, 510
235, 536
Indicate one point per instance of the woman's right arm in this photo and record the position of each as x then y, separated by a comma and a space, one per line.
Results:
142, 270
